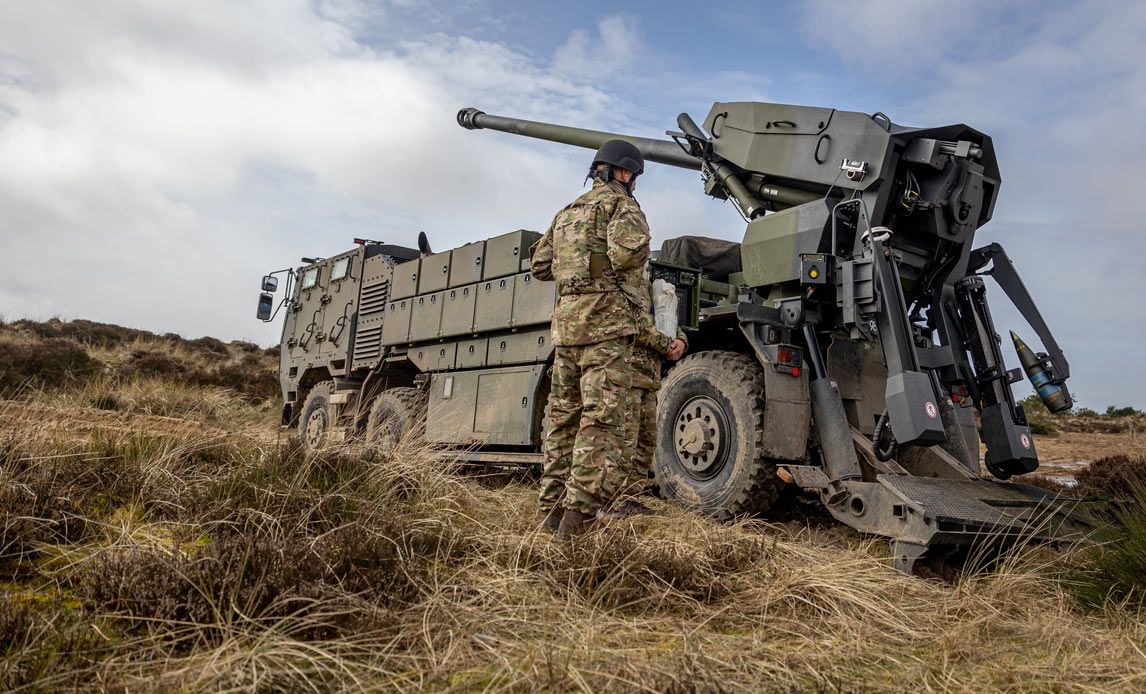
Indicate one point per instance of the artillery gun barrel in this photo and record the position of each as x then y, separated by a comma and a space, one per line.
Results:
660, 151
749, 193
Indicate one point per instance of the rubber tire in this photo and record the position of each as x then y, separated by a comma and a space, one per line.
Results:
318, 401
397, 413
747, 483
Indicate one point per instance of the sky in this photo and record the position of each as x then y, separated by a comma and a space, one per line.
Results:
158, 157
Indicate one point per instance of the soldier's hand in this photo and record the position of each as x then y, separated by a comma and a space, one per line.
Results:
676, 350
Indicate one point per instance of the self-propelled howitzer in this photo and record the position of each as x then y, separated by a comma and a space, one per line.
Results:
859, 295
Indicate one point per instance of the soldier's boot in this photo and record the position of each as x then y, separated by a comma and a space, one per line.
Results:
621, 510
552, 519
574, 523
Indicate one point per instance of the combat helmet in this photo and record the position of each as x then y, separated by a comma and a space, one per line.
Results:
621, 154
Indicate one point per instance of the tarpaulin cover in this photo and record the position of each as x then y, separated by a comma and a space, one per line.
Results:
717, 258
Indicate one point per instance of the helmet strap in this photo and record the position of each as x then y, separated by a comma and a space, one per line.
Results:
604, 173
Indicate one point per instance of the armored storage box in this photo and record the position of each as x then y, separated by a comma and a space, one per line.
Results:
425, 316
435, 273
396, 326
405, 282
466, 264
521, 348
458, 311
491, 406
471, 354
533, 300
451, 406
493, 308
508, 254
434, 357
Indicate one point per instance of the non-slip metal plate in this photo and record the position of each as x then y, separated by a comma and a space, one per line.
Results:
974, 501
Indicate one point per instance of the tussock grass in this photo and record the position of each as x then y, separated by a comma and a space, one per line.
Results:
85, 356
1112, 574
177, 562
157, 533
152, 396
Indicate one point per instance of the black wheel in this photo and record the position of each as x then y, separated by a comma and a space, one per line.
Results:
398, 412
314, 422
710, 449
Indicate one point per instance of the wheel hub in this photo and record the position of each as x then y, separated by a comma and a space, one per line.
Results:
315, 426
702, 436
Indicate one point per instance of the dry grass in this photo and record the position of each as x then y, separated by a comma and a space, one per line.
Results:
174, 540
156, 396
37, 357
171, 562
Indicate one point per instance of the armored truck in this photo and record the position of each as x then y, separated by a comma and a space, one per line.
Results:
844, 349
453, 347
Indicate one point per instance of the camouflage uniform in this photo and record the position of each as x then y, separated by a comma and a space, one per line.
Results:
592, 250
645, 376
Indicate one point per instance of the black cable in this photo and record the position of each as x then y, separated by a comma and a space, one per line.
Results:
882, 427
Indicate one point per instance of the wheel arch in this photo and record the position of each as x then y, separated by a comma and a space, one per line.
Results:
306, 382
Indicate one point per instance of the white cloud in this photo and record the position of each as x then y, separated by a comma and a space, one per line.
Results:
898, 36
159, 158
603, 55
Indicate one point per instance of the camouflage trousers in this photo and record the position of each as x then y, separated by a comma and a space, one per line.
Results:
640, 443
585, 446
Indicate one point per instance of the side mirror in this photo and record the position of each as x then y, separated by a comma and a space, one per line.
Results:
270, 283
266, 306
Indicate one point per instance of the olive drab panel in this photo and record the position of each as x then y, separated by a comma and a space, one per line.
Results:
533, 300
472, 354
773, 244
396, 327
508, 254
505, 413
491, 407
532, 346
426, 316
466, 264
458, 310
450, 410
798, 143
434, 357
435, 273
494, 307
406, 279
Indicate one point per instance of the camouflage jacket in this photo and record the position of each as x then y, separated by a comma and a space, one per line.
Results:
593, 249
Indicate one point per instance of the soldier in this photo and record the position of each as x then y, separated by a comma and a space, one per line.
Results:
641, 426
592, 250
